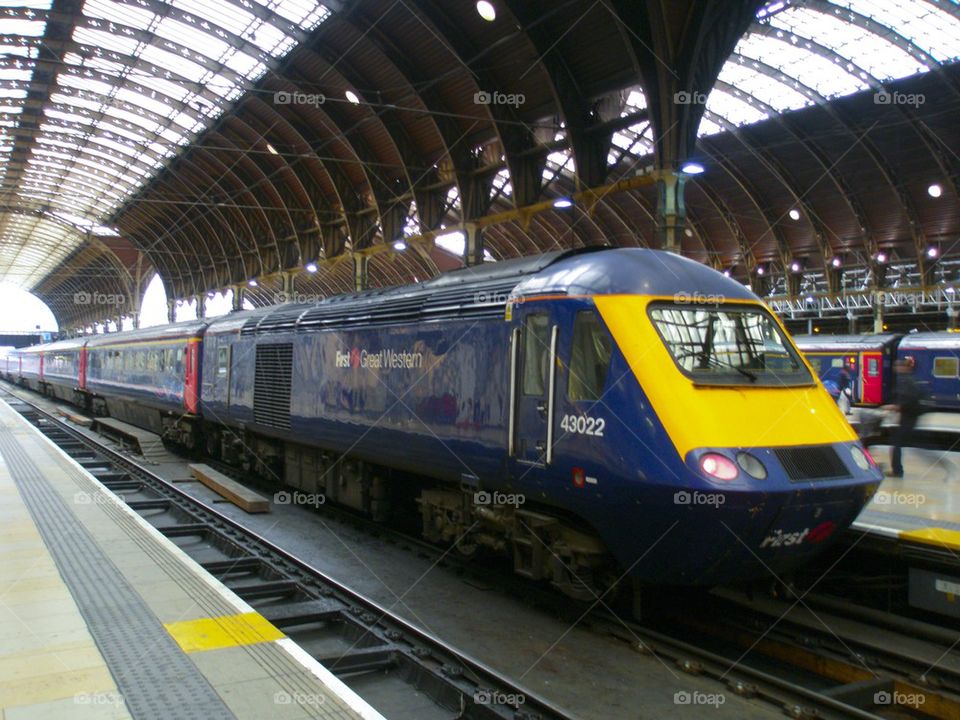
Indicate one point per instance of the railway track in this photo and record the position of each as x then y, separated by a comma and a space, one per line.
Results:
794, 668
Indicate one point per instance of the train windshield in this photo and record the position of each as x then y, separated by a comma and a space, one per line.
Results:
728, 345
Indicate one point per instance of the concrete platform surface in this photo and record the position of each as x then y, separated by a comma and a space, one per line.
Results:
102, 617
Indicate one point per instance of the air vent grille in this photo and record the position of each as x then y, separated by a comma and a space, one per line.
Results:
817, 462
271, 389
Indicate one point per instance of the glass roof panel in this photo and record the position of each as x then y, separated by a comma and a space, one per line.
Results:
796, 54
935, 31
138, 18
142, 80
877, 55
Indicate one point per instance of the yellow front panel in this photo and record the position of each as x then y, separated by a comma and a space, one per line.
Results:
698, 416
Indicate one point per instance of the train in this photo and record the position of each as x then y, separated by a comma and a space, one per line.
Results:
869, 360
603, 417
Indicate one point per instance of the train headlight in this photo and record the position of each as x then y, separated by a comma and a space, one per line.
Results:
751, 466
861, 457
718, 466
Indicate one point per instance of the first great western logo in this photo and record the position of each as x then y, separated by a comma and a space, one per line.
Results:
385, 359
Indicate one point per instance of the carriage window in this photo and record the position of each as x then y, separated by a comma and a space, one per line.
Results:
223, 361
536, 354
873, 367
589, 358
945, 367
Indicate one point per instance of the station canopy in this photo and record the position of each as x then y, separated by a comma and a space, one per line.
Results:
113, 113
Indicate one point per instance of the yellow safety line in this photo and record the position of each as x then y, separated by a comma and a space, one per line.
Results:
221, 632
933, 536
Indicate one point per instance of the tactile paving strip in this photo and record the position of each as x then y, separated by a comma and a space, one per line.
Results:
154, 676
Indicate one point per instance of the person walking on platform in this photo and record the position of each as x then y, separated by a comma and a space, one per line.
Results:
844, 394
908, 403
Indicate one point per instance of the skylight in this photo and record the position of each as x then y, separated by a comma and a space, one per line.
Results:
140, 82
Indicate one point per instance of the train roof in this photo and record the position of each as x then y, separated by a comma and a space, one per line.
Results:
483, 291
924, 340
842, 343
190, 328
58, 346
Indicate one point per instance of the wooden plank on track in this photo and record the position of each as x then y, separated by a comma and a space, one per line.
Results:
244, 498
75, 418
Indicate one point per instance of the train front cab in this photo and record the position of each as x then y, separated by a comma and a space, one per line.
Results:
659, 460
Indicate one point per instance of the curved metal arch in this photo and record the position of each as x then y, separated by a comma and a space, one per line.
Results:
730, 220
258, 181
852, 204
394, 130
424, 85
197, 164
174, 215
875, 83
752, 194
171, 257
314, 165
773, 167
376, 181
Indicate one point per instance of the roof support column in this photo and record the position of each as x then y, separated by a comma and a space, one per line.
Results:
237, 302
201, 303
473, 247
360, 277
171, 311
288, 286
671, 210
135, 320
878, 312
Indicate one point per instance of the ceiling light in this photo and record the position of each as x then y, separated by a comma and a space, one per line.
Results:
311, 267
399, 245
726, 273
692, 168
352, 97
932, 251
486, 10
835, 261
795, 266
563, 203
272, 149
253, 283
794, 214
760, 270
935, 190
881, 257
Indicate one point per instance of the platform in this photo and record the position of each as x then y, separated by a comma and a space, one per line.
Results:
924, 505
103, 617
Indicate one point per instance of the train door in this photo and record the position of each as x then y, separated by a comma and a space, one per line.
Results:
191, 371
871, 377
221, 378
533, 379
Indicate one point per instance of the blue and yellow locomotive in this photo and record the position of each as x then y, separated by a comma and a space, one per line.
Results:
591, 413
597, 415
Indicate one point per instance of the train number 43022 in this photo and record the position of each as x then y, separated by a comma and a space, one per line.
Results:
583, 425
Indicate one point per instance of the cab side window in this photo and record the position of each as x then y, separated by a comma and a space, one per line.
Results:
536, 354
589, 358
223, 360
